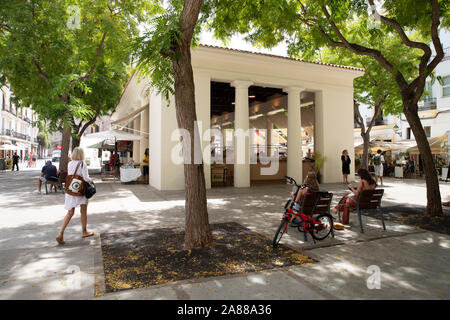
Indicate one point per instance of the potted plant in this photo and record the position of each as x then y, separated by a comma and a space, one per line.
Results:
357, 164
318, 164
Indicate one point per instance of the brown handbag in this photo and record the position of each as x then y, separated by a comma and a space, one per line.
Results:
75, 184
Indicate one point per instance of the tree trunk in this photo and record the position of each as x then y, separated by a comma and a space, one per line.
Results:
75, 142
197, 229
434, 205
365, 156
65, 145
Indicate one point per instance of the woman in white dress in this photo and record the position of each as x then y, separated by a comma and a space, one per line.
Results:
71, 202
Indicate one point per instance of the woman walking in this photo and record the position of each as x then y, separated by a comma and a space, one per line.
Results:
345, 165
76, 166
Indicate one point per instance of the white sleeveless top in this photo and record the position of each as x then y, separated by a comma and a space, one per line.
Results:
74, 201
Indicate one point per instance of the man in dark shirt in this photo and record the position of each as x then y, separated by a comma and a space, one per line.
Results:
15, 161
48, 173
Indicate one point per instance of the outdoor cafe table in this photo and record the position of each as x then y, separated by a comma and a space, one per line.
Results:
129, 174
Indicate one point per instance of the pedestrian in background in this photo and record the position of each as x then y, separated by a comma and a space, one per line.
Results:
345, 159
15, 161
145, 163
378, 161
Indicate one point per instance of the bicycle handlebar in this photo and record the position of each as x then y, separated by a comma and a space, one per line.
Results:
292, 180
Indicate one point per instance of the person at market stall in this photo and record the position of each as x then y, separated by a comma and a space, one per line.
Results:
145, 163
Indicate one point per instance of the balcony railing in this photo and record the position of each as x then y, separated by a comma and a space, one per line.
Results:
19, 135
427, 103
446, 54
378, 121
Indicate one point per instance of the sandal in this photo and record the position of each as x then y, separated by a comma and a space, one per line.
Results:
60, 240
89, 234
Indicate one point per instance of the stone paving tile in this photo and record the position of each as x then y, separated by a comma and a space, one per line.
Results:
76, 286
29, 223
275, 285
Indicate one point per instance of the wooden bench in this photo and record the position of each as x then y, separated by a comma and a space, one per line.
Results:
368, 200
53, 183
315, 203
59, 183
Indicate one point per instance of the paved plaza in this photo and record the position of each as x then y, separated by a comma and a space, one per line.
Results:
413, 263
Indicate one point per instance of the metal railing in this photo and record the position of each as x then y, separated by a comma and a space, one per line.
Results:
446, 55
427, 103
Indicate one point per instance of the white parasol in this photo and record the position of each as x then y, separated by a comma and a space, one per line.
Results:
9, 147
113, 134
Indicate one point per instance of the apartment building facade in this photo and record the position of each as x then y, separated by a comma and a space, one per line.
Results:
434, 108
16, 127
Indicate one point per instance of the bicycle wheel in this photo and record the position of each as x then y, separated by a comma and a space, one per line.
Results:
281, 230
327, 222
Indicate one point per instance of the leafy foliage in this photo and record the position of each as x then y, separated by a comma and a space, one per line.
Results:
305, 28
156, 51
64, 73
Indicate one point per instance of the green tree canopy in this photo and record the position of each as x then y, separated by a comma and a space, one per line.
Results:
307, 26
66, 58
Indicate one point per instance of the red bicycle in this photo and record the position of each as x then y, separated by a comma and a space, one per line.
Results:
318, 227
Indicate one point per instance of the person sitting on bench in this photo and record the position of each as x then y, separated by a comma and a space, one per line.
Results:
311, 185
48, 173
350, 198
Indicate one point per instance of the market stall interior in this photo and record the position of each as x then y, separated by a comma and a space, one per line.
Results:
118, 141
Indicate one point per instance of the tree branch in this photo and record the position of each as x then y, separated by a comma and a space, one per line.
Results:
376, 113
435, 36
93, 119
88, 75
189, 16
359, 118
43, 75
403, 36
361, 50
5, 27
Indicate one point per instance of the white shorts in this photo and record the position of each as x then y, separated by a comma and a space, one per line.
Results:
378, 170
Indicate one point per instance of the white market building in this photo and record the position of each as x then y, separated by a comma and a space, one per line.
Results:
310, 103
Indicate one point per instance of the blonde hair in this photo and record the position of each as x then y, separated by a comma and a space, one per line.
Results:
78, 154
311, 180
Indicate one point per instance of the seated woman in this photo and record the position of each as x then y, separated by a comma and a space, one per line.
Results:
311, 185
349, 200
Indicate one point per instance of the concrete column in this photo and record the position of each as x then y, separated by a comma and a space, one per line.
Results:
202, 83
269, 133
294, 133
241, 142
137, 144
165, 172
334, 131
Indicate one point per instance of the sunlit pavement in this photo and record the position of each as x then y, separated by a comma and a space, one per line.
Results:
411, 263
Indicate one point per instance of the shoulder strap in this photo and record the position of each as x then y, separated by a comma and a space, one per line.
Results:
78, 165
